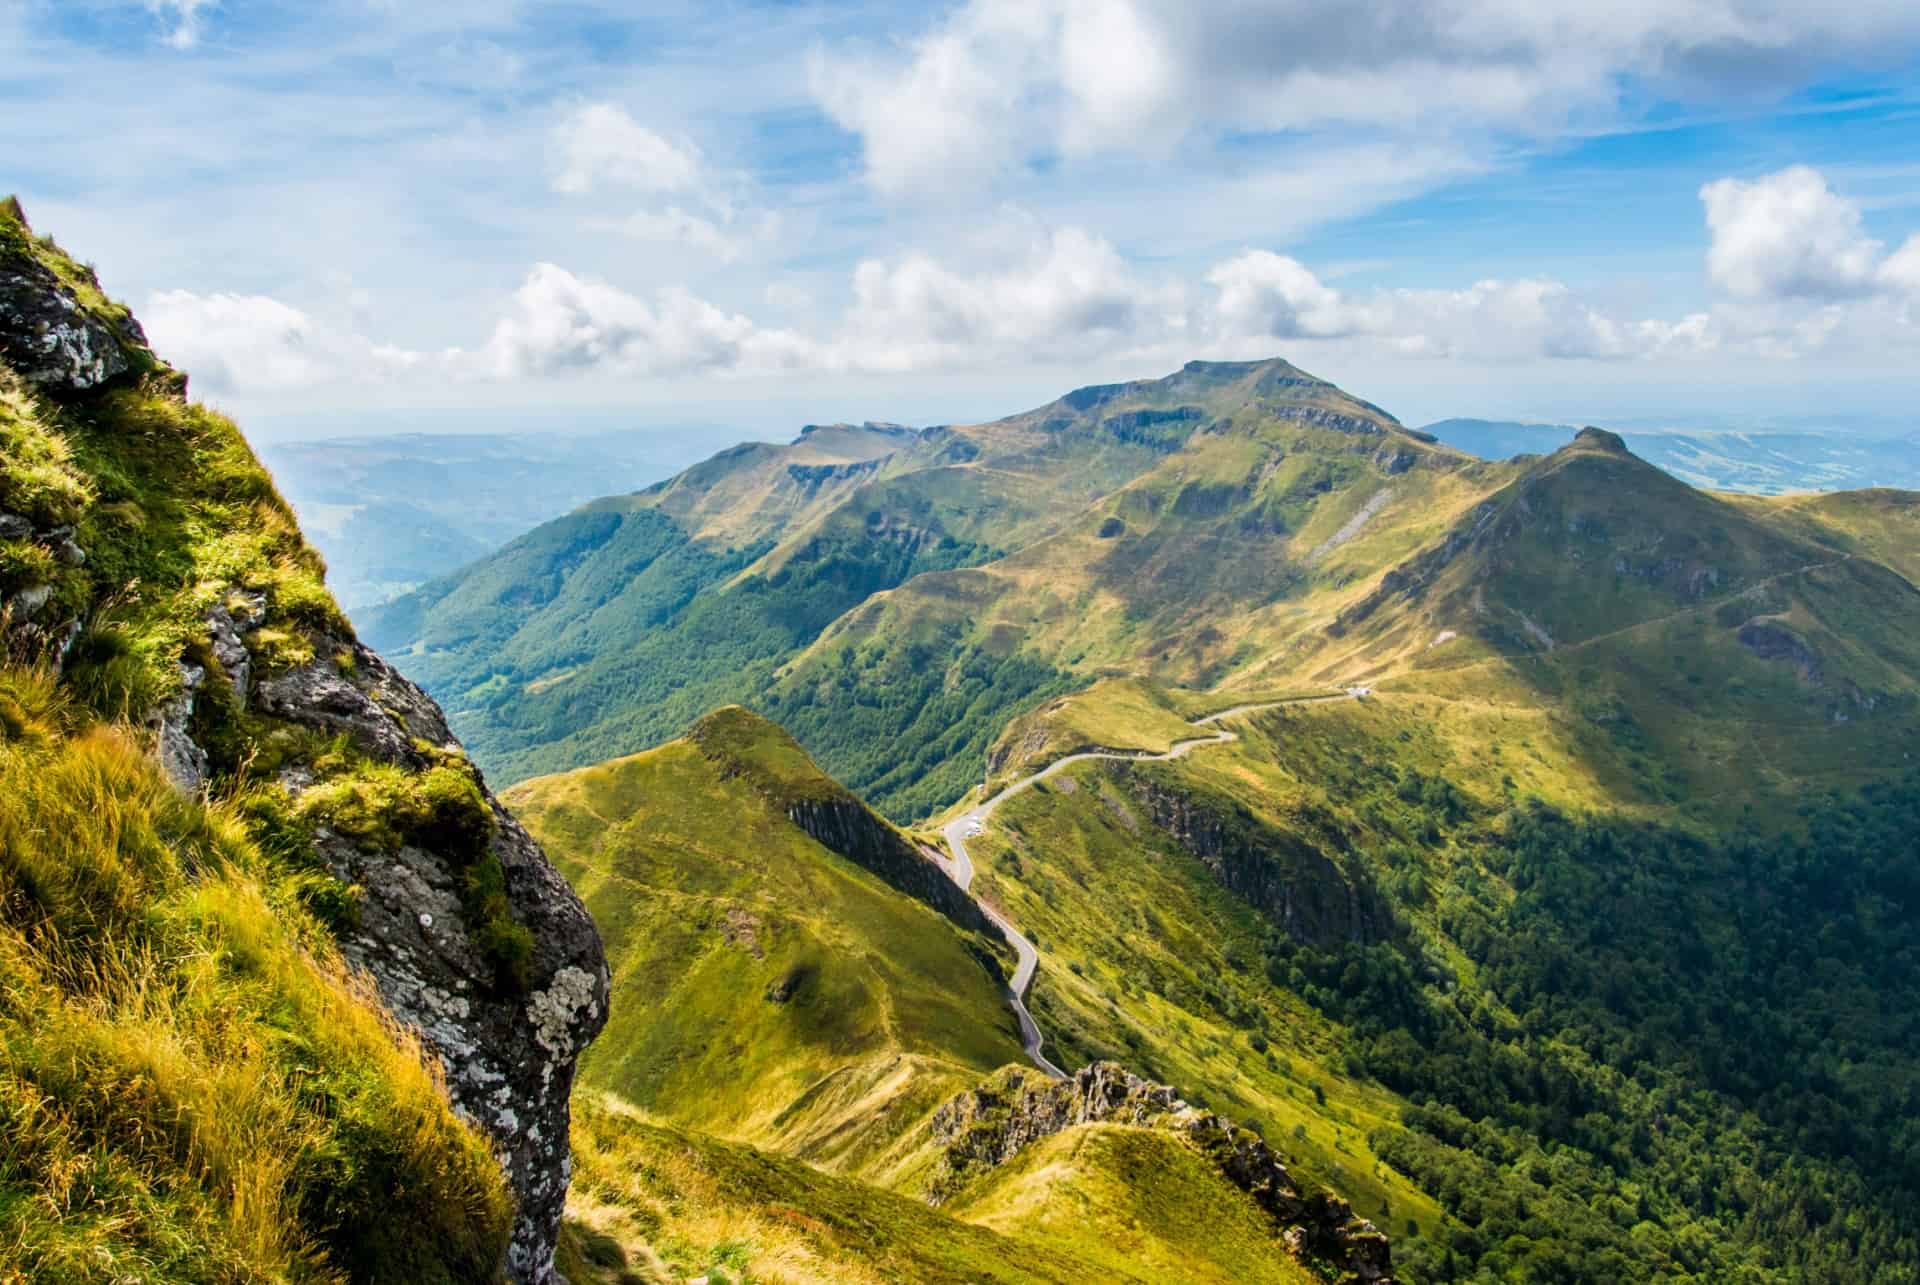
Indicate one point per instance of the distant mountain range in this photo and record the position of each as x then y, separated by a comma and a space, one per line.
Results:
1758, 463
391, 513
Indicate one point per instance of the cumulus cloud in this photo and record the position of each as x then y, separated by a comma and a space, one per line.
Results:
1795, 272
1787, 235
1264, 296
229, 342
601, 148
558, 323
1042, 295
999, 82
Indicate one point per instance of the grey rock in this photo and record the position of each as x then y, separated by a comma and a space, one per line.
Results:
985, 1127
52, 340
1286, 877
27, 603
224, 629
184, 762
69, 553
15, 527
509, 1057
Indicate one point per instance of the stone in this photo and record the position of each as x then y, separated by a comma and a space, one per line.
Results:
509, 1058
15, 527
26, 604
50, 338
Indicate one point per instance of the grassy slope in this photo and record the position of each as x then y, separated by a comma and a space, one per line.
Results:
1150, 962
711, 901
1615, 600
192, 1084
654, 1203
894, 609
1135, 1202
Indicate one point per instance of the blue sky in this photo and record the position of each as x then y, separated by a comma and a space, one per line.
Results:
378, 214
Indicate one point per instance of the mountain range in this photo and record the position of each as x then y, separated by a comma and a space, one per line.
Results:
1200, 829
394, 512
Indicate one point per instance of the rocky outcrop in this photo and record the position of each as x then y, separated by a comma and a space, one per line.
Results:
1771, 640
1282, 875
48, 333
509, 1052
846, 826
749, 748
254, 680
988, 1126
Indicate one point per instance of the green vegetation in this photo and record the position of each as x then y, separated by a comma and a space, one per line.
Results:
655, 1203
1568, 1046
441, 809
772, 991
1137, 1202
193, 1085
894, 598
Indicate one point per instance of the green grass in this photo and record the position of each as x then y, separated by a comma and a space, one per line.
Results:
1134, 1201
194, 1086
773, 991
652, 1202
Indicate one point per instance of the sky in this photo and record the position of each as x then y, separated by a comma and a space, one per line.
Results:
734, 218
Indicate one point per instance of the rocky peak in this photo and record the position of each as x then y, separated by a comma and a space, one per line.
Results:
57, 329
1599, 439
988, 1126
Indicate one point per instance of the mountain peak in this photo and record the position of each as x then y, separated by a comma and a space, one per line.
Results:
58, 328
1600, 439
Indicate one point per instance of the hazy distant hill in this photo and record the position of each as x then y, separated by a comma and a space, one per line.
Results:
391, 513
1760, 463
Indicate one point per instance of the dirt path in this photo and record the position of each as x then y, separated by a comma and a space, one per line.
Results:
959, 866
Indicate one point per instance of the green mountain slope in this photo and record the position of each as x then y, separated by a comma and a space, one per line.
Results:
776, 991
206, 1072
788, 980
952, 575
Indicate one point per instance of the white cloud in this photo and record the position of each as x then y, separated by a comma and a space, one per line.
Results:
1040, 295
1272, 296
1798, 277
950, 117
1901, 271
1000, 82
1787, 235
233, 341
1263, 296
601, 146
183, 19
558, 323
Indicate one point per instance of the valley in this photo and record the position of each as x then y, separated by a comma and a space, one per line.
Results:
1198, 829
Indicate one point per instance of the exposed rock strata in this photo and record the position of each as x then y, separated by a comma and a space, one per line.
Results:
988, 1126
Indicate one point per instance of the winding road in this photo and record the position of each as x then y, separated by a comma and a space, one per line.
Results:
959, 866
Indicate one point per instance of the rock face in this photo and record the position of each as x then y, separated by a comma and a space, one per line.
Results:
846, 826
988, 1126
49, 337
509, 1055
508, 1048
1285, 878
831, 815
